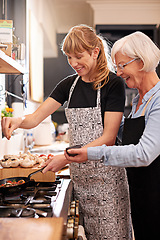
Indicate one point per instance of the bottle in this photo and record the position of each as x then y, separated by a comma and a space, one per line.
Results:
29, 140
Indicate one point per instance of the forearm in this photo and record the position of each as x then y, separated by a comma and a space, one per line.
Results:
28, 121
107, 140
124, 156
43, 111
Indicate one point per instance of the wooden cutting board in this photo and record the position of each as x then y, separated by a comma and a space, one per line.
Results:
24, 172
31, 228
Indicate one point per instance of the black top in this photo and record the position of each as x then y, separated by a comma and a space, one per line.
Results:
112, 94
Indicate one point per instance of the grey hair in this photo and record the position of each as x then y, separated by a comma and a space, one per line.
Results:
138, 45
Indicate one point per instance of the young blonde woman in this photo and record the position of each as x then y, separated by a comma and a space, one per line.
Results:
95, 103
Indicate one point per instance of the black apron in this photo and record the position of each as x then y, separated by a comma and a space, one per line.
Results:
144, 186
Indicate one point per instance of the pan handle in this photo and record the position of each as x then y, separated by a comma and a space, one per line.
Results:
40, 170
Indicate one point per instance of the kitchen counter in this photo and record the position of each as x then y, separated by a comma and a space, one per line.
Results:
55, 148
35, 229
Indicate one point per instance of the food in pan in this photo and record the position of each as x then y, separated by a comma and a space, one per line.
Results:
12, 183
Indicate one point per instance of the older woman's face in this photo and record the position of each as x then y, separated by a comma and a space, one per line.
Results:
131, 72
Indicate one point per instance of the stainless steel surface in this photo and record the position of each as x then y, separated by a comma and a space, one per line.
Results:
41, 213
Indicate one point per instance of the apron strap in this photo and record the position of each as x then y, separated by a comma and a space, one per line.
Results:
99, 96
72, 88
144, 109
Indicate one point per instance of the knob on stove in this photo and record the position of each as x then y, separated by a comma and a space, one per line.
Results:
72, 211
70, 233
72, 228
76, 223
73, 220
74, 208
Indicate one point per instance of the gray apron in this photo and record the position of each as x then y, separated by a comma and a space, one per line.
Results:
102, 191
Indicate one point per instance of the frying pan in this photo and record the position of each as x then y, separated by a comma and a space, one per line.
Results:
16, 188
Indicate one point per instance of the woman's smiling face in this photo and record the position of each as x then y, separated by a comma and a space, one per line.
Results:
131, 72
83, 63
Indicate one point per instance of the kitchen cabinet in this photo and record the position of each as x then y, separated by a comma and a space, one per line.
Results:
9, 65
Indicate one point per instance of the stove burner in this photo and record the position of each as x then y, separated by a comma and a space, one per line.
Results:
44, 192
46, 199
23, 212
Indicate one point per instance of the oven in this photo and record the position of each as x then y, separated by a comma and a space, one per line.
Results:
42, 200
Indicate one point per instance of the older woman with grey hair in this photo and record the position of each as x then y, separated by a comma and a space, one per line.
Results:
136, 58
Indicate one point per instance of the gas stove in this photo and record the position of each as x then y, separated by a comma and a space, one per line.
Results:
43, 200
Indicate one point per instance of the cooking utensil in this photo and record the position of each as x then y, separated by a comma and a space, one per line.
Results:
75, 146
12, 189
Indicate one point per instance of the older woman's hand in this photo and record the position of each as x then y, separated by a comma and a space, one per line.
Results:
81, 155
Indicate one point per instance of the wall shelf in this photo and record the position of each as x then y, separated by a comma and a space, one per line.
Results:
9, 65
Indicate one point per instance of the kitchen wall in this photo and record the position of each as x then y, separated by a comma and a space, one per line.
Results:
57, 16
109, 12
126, 11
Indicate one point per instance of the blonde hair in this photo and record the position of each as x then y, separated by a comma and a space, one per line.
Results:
81, 38
138, 45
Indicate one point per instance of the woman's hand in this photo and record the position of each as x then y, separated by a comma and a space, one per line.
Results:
81, 155
55, 163
9, 124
